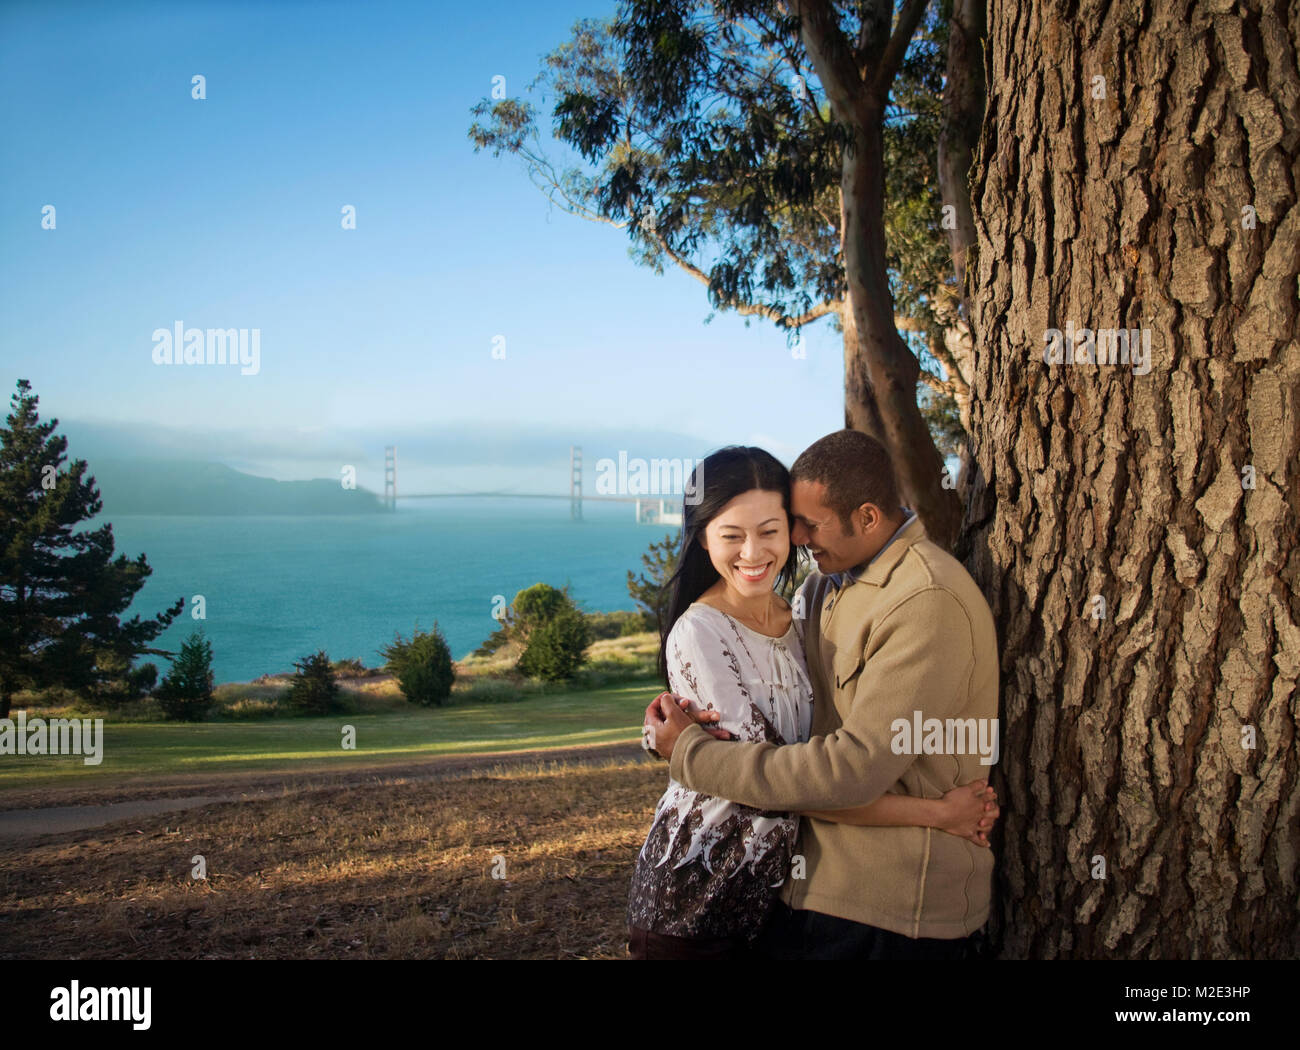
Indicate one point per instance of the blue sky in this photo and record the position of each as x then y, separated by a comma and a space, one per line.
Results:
225, 213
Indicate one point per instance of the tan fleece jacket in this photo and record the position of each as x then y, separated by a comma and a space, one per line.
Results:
910, 639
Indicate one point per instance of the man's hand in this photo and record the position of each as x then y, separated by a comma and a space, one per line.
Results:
668, 715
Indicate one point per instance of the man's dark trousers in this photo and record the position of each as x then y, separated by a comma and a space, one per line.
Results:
801, 934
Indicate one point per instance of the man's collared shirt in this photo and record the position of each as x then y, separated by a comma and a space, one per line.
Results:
841, 579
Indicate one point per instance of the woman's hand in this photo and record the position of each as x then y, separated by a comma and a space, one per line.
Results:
969, 811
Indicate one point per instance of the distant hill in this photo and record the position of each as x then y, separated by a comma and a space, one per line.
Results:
140, 486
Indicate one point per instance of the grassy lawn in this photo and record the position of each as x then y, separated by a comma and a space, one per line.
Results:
608, 714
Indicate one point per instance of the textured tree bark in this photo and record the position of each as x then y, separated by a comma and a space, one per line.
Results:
1173, 496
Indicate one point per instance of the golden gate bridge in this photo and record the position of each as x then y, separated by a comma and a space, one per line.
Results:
650, 509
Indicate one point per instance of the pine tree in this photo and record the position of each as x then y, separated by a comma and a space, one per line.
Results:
61, 592
313, 689
186, 691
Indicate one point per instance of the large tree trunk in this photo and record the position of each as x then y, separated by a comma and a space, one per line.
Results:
1173, 496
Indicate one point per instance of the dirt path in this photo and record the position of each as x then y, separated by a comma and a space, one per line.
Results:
26, 823
76, 809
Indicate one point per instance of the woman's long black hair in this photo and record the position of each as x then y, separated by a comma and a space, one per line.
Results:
716, 481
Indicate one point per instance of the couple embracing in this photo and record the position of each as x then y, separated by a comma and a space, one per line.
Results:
794, 824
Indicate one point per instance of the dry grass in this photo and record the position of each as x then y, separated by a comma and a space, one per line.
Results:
399, 869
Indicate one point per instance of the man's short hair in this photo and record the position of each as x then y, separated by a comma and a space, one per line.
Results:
855, 468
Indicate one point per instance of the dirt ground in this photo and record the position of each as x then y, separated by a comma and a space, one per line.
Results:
524, 856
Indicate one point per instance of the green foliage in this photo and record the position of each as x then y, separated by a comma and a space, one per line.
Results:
118, 683
531, 607
557, 647
352, 667
943, 418
551, 631
61, 592
143, 679
186, 691
422, 665
313, 689
617, 624
114, 685
743, 192
536, 605
649, 589
498, 639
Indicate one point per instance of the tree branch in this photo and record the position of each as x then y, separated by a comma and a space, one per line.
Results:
831, 57
908, 19
939, 351
934, 382
781, 319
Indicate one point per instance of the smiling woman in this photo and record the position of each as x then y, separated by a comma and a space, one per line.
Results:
708, 874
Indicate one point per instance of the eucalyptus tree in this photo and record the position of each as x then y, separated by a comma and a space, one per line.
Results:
708, 133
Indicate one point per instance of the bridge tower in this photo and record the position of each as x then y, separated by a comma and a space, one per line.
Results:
575, 482
390, 477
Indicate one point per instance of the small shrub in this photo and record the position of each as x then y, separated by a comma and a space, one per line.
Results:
615, 624
352, 668
312, 689
537, 605
423, 666
118, 683
556, 648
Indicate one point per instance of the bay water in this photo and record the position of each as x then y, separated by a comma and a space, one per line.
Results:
276, 589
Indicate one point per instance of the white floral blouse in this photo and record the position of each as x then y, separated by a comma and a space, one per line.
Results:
710, 867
